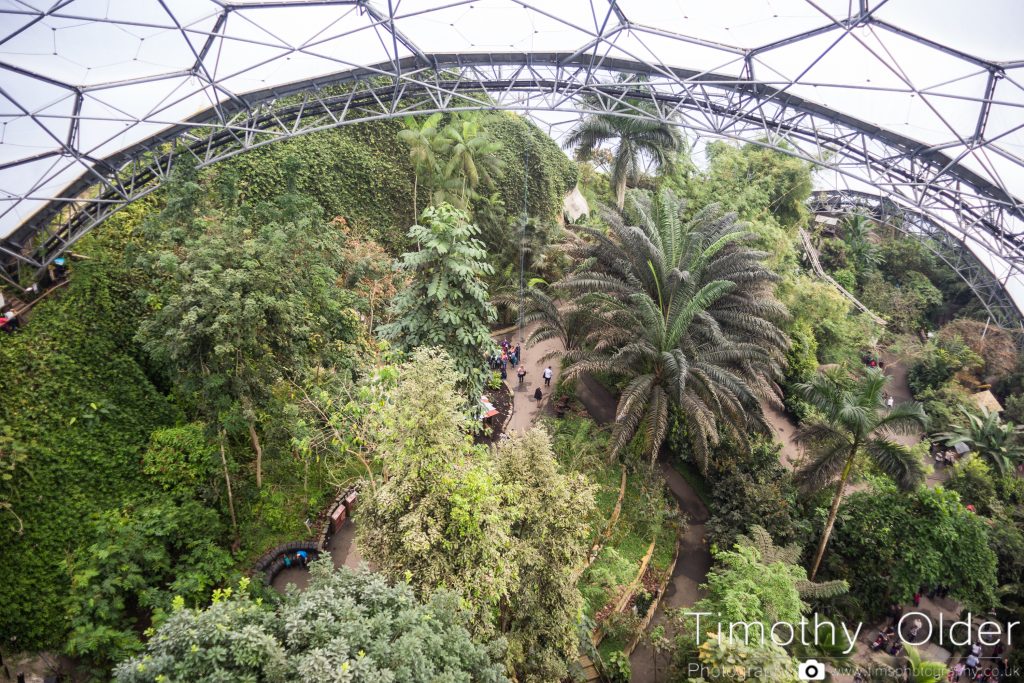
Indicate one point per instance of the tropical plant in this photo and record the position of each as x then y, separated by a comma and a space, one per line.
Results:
1000, 443
888, 543
11, 458
852, 420
551, 317
446, 303
684, 311
637, 137
346, 626
857, 235
506, 528
922, 671
473, 160
243, 303
421, 138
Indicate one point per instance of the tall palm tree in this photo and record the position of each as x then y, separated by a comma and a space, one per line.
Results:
473, 158
684, 310
854, 422
636, 138
1001, 443
421, 139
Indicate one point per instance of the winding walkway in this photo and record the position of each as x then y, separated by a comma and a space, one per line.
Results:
684, 588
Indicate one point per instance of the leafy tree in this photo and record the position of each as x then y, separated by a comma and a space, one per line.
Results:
245, 303
346, 626
141, 559
1000, 443
636, 138
851, 422
368, 270
755, 583
438, 518
939, 361
550, 532
888, 543
752, 487
732, 661
181, 460
446, 303
973, 480
687, 318
506, 529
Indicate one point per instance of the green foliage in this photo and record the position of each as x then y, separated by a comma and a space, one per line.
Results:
12, 456
141, 559
887, 544
1000, 443
940, 360
731, 661
904, 304
651, 325
347, 626
756, 583
505, 529
752, 487
943, 404
181, 460
550, 530
231, 314
973, 480
359, 171
616, 667
840, 333
636, 139
81, 410
445, 304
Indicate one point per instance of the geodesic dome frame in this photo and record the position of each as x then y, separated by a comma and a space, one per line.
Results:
915, 117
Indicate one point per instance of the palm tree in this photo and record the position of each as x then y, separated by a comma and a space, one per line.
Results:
684, 311
636, 137
857, 235
473, 158
421, 139
854, 422
998, 442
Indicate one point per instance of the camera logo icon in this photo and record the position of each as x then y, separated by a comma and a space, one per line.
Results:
811, 670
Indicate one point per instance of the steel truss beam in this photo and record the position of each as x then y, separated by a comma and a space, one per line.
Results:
923, 180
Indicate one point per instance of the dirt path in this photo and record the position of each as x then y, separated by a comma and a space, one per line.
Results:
525, 408
691, 571
783, 427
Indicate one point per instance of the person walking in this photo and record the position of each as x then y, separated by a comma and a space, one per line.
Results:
521, 374
547, 376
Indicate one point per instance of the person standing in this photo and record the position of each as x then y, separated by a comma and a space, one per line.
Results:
521, 374
547, 376
519, 353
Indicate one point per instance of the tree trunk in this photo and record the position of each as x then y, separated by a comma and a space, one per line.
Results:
620, 193
415, 189
827, 532
255, 438
227, 481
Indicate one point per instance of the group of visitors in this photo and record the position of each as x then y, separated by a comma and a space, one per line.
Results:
299, 559
9, 321
979, 668
506, 355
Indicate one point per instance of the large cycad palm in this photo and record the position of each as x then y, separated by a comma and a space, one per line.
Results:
636, 137
685, 312
1001, 443
853, 421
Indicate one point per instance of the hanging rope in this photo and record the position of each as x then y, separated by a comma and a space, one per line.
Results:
522, 240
